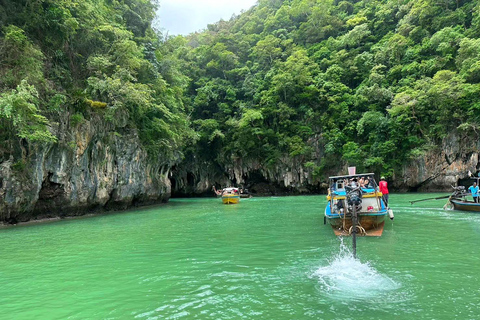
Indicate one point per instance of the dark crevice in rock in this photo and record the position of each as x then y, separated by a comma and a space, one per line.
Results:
111, 202
447, 159
51, 196
136, 201
190, 179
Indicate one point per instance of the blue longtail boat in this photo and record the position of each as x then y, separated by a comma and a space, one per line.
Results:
356, 205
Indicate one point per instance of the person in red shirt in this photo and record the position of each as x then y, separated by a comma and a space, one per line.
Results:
383, 186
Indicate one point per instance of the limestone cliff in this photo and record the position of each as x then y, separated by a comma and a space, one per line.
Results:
442, 167
94, 166
436, 170
288, 177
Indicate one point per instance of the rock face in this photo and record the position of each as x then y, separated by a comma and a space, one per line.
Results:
96, 166
197, 179
441, 168
289, 175
436, 170
97, 169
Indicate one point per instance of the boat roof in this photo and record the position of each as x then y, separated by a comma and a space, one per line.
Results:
230, 189
352, 176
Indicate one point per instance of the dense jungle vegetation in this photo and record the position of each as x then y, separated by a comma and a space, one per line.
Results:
372, 83
67, 60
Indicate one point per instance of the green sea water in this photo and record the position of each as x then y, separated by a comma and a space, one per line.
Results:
265, 258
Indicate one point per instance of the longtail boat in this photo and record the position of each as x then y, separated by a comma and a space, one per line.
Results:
464, 205
230, 196
457, 200
354, 207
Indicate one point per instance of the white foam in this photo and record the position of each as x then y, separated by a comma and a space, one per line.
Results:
348, 278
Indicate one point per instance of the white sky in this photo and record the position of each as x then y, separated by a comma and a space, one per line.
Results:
186, 16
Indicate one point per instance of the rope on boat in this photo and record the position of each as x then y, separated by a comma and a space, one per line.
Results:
361, 229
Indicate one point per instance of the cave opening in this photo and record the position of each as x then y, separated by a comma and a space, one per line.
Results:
51, 195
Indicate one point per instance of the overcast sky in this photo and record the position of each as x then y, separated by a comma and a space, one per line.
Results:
186, 16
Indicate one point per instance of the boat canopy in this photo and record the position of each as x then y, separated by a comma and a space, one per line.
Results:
356, 176
337, 183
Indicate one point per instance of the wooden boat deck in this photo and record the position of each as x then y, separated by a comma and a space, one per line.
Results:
377, 232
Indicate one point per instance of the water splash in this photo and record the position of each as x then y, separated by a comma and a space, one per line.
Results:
347, 278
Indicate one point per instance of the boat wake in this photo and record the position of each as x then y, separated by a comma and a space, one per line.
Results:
347, 278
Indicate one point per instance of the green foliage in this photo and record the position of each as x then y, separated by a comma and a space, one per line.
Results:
377, 81
468, 59
57, 102
19, 166
18, 109
353, 154
88, 57
96, 104
21, 59
323, 83
76, 119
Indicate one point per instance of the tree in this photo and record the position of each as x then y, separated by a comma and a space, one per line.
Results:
19, 113
21, 59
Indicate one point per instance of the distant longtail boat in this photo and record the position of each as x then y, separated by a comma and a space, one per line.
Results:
230, 196
457, 200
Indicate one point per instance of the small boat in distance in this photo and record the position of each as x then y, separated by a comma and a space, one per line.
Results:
244, 193
457, 200
464, 205
355, 202
230, 196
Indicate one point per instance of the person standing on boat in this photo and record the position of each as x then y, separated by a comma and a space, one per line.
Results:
474, 190
383, 187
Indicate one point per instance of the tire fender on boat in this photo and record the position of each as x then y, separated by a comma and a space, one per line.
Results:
390, 214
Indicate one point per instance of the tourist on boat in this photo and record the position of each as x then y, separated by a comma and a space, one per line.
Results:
383, 187
474, 190
361, 182
230, 190
366, 183
354, 183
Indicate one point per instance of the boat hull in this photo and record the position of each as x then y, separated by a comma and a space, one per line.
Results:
375, 232
371, 223
230, 199
465, 205
366, 221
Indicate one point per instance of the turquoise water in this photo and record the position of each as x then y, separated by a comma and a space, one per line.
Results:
265, 258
